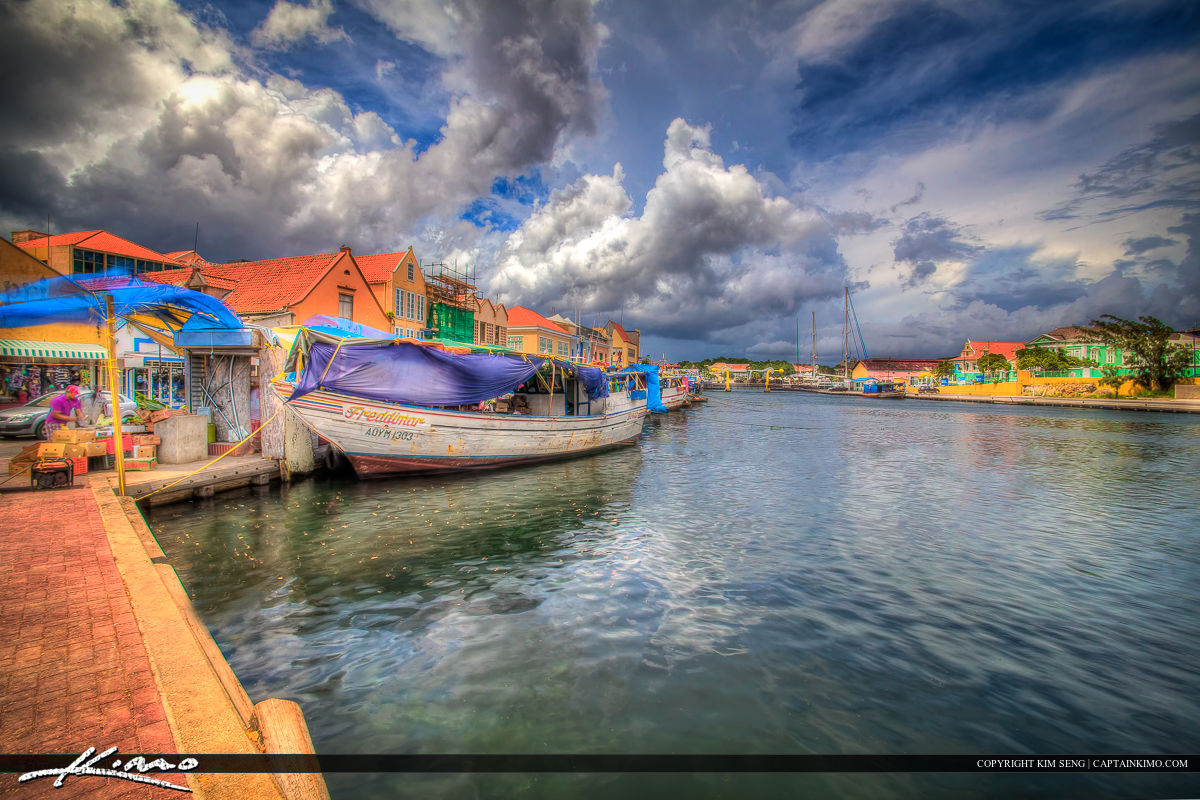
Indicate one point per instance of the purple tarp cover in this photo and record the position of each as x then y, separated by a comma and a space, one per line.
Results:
412, 374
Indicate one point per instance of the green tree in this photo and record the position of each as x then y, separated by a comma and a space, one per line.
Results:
1114, 378
993, 362
944, 369
1157, 362
1042, 360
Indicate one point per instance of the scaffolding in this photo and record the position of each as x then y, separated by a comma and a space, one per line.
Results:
451, 299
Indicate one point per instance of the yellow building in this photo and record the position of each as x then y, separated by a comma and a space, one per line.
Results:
625, 345
530, 332
399, 285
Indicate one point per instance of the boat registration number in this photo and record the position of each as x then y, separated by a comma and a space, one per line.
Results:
389, 433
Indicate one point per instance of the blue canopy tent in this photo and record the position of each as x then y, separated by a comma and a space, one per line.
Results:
653, 389
165, 313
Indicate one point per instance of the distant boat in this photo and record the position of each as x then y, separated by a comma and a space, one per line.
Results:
882, 390
395, 408
674, 391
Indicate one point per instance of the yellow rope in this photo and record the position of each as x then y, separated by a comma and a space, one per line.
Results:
329, 363
218, 458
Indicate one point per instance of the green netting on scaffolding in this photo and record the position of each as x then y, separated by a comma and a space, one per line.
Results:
453, 323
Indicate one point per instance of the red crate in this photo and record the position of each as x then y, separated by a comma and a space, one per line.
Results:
79, 464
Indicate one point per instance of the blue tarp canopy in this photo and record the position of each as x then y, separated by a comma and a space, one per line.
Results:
340, 326
154, 305
653, 390
401, 372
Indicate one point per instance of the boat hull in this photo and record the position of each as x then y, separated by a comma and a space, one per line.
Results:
380, 439
674, 397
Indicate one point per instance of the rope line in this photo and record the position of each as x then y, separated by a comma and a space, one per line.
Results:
218, 458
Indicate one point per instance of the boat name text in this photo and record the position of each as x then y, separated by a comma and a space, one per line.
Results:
380, 417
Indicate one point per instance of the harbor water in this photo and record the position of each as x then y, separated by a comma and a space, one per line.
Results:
779, 573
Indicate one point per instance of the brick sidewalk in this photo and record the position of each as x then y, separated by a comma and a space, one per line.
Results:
74, 670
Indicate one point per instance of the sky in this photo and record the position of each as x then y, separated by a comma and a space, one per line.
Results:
711, 173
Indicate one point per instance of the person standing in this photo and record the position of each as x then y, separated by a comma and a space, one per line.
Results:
63, 409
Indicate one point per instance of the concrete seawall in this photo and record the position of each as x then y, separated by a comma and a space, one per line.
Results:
100, 646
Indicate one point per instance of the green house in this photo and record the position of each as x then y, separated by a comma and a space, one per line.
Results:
1079, 342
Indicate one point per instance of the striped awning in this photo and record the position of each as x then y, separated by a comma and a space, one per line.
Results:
32, 348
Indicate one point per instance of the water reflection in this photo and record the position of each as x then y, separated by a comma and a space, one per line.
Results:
765, 573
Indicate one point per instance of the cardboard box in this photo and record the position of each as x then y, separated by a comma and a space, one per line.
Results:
73, 435
145, 451
27, 455
140, 464
146, 438
51, 450
75, 451
16, 467
97, 448
159, 416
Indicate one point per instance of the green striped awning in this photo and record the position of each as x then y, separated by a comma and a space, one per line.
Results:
32, 348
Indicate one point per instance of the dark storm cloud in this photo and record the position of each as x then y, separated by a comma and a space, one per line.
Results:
1162, 172
926, 65
1144, 244
928, 240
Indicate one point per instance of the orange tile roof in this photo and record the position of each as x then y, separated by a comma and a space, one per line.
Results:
188, 257
99, 240
521, 317
1006, 349
259, 286
378, 268
621, 331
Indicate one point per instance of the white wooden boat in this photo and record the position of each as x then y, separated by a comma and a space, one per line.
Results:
674, 391
385, 438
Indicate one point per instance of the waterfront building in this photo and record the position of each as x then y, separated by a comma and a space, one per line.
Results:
91, 252
893, 369
588, 345
44, 357
491, 323
625, 344
189, 258
286, 291
399, 286
453, 301
530, 332
966, 363
1081, 342
736, 371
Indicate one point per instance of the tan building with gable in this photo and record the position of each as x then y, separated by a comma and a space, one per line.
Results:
491, 323
399, 287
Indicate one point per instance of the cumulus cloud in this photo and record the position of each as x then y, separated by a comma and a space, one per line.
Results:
710, 251
288, 24
1144, 244
927, 241
145, 121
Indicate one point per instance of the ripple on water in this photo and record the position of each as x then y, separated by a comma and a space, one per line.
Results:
765, 573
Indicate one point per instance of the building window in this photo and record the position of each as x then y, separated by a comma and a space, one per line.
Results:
412, 305
545, 345
122, 263
346, 306
489, 333
87, 262
514, 343
501, 334
421, 309
398, 303
564, 350
411, 277
632, 355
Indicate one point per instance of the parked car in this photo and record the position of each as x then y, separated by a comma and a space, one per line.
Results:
30, 419
926, 389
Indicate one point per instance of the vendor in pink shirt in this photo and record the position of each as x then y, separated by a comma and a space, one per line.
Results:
61, 408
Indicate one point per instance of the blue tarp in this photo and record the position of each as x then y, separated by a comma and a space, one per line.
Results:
420, 375
63, 300
653, 390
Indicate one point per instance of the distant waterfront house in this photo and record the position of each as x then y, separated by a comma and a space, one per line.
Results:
286, 291
530, 332
626, 344
91, 252
736, 371
589, 345
966, 363
1081, 343
398, 284
491, 323
891, 369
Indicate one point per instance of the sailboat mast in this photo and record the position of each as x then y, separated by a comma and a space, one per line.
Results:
846, 336
814, 353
